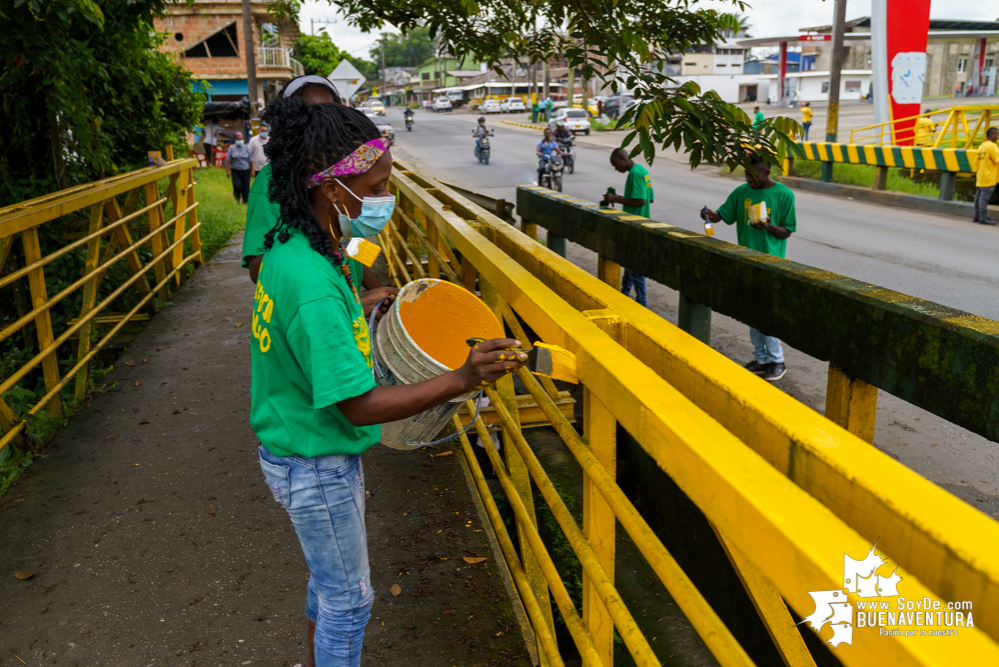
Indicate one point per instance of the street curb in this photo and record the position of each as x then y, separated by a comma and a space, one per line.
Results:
530, 127
886, 197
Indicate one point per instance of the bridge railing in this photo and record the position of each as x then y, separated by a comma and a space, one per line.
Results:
786, 490
957, 127
112, 242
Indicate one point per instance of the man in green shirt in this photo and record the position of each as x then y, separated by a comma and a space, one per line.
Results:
763, 212
758, 118
636, 201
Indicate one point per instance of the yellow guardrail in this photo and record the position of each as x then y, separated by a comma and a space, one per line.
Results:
787, 491
107, 243
957, 127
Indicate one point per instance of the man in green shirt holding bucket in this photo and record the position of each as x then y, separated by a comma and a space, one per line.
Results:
763, 212
637, 200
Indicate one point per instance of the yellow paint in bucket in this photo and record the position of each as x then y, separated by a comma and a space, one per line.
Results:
443, 317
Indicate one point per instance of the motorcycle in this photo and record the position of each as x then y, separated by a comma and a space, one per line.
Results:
569, 155
409, 123
551, 172
482, 148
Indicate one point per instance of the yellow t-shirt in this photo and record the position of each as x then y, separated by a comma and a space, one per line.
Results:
924, 131
806, 114
988, 165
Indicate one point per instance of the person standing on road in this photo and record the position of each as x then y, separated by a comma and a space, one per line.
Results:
637, 200
758, 118
238, 167
534, 110
548, 109
763, 213
257, 154
315, 406
806, 118
211, 136
988, 175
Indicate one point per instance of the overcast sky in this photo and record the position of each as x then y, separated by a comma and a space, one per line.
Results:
766, 17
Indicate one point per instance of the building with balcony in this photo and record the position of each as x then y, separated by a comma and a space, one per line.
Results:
206, 37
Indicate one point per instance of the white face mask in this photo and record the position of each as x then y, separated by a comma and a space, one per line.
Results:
375, 214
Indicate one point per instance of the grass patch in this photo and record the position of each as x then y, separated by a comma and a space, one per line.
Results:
220, 215
610, 125
863, 175
851, 174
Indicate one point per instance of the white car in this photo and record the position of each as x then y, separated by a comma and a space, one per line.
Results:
490, 106
512, 104
576, 120
442, 104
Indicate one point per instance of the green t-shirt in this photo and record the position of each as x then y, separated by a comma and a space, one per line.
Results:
638, 186
261, 216
780, 208
310, 350
758, 120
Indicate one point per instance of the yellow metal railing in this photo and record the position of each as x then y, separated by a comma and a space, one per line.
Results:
787, 491
957, 127
109, 242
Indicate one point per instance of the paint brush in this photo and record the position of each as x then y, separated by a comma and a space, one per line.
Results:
550, 361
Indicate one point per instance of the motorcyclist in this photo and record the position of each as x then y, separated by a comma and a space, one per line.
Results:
562, 133
480, 131
544, 150
408, 113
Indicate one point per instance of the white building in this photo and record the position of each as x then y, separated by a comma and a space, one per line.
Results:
813, 86
734, 88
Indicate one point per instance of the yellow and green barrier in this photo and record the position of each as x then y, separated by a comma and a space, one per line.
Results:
910, 157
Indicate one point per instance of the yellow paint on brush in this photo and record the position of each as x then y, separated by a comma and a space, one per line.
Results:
563, 363
442, 317
363, 251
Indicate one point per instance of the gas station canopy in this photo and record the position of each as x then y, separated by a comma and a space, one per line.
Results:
933, 36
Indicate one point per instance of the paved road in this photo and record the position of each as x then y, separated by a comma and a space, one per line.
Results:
941, 258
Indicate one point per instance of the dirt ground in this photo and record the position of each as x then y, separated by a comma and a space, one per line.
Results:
154, 540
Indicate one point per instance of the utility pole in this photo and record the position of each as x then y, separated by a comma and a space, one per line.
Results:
251, 58
838, 54
548, 74
384, 83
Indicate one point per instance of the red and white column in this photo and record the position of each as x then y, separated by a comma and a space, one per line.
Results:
782, 75
899, 30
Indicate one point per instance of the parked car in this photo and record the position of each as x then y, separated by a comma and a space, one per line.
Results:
614, 105
383, 126
377, 108
512, 104
489, 106
592, 104
442, 104
576, 120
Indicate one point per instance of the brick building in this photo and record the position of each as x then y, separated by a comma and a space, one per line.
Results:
206, 36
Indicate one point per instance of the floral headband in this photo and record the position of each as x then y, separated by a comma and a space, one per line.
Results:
358, 162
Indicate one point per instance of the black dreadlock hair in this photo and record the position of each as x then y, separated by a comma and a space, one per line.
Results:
306, 139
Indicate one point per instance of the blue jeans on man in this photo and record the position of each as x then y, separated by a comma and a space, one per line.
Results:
766, 349
324, 496
982, 197
631, 278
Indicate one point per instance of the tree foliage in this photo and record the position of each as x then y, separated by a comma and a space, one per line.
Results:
409, 50
85, 92
622, 43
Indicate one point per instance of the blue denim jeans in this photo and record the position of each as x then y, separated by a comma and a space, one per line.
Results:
324, 496
982, 197
806, 126
631, 278
766, 349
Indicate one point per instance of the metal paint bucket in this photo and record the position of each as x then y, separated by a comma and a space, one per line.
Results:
401, 361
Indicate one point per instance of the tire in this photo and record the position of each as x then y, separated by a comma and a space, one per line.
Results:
586, 132
485, 158
557, 185
572, 166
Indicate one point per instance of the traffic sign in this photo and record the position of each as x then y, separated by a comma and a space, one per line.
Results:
347, 79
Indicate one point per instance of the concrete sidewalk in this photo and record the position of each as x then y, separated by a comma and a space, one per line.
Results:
154, 540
